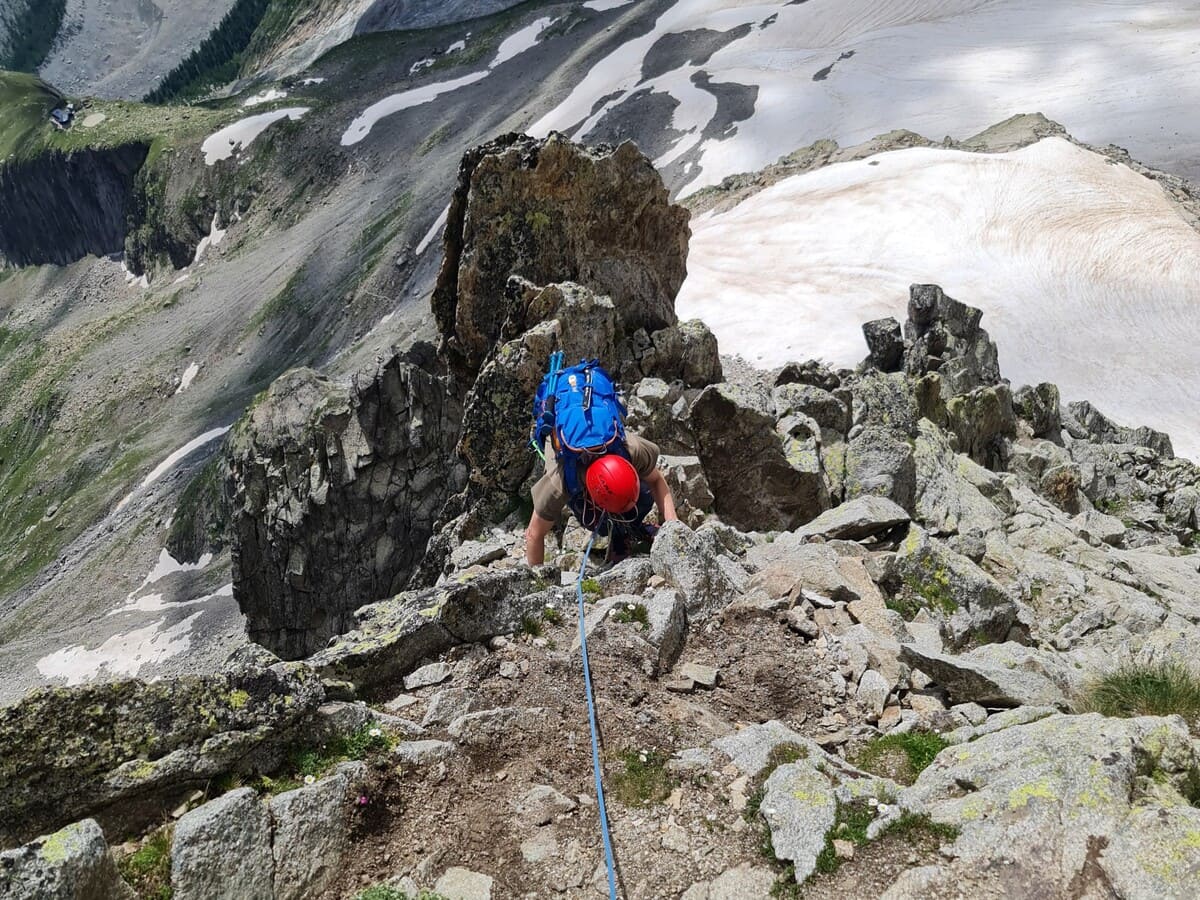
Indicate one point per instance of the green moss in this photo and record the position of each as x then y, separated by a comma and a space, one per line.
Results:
930, 589
901, 757
850, 824
592, 591
1165, 688
148, 868
238, 699
911, 828
643, 779
386, 892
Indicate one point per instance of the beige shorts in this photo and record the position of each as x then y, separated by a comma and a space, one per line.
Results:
550, 493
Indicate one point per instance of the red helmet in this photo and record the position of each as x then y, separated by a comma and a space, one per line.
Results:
613, 484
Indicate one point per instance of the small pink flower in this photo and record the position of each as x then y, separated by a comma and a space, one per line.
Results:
361, 800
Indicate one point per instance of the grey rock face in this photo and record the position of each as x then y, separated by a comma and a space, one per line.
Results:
1039, 406
995, 675
422, 753
954, 493
1067, 801
800, 807
667, 619
885, 341
679, 556
689, 487
391, 637
981, 420
761, 479
1102, 429
335, 492
126, 751
856, 520
969, 602
879, 462
223, 849
312, 832
71, 864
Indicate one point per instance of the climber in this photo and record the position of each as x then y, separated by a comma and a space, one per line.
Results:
609, 478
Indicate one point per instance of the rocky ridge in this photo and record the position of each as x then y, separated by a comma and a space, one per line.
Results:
910, 548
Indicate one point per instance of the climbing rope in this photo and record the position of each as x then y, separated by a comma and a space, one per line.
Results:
587, 680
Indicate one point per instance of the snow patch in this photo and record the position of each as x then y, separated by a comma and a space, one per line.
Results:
171, 461
605, 5
121, 654
420, 65
457, 47
434, 230
213, 238
267, 96
308, 81
189, 375
142, 281
224, 143
518, 42
512, 46
1085, 271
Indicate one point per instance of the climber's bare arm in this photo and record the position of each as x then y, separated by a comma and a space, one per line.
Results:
661, 493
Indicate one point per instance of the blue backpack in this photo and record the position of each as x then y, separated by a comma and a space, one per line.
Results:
580, 411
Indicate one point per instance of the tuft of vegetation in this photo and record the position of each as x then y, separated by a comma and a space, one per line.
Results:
387, 892
931, 591
901, 757
531, 625
148, 869
632, 614
1146, 689
912, 828
644, 780
552, 616
850, 825
31, 28
592, 591
307, 763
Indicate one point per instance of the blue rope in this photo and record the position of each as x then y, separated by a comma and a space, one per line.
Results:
587, 680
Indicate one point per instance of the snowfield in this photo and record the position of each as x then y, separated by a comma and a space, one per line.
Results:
1111, 71
222, 144
1087, 275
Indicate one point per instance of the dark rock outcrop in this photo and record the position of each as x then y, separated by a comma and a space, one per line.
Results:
345, 496
335, 491
552, 211
762, 479
125, 751
60, 207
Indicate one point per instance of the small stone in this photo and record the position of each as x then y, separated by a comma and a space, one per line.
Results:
972, 712
925, 703
844, 849
463, 884
541, 804
873, 693
679, 685
705, 676
434, 673
800, 622
919, 680
836, 739
676, 839
889, 719
401, 702
509, 669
